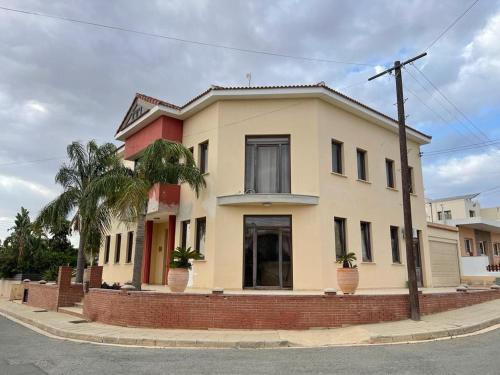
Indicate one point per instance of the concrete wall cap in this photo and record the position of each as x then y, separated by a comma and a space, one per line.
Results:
330, 291
217, 290
127, 288
495, 286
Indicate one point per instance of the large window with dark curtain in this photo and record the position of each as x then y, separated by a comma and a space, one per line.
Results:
267, 164
340, 237
366, 243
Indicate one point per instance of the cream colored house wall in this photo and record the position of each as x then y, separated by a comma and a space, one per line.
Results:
492, 213
311, 124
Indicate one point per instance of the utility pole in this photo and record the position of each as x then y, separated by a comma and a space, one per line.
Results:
405, 178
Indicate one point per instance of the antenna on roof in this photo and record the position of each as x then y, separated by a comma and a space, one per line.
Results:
249, 77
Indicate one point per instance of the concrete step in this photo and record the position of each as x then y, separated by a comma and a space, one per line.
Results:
74, 310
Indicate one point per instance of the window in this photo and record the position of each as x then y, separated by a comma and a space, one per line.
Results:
185, 226
389, 168
366, 245
191, 150
340, 237
396, 256
412, 180
267, 164
468, 246
337, 162
482, 247
106, 249
472, 213
203, 148
130, 245
447, 215
201, 226
118, 245
267, 249
361, 157
496, 249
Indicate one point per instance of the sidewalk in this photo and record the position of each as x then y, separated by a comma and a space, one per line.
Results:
447, 324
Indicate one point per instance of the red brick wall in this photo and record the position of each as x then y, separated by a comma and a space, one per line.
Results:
203, 311
95, 276
43, 296
51, 297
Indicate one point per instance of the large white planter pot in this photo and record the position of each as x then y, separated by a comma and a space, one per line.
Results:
348, 280
178, 279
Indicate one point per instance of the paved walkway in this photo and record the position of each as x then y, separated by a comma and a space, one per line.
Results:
451, 323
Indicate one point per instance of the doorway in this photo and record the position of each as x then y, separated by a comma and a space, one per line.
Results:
267, 252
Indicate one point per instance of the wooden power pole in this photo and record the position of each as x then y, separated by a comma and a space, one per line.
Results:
406, 181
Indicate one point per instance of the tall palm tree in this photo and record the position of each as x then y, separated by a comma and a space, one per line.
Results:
90, 216
163, 162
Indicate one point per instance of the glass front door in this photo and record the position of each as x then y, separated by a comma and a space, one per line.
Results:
268, 252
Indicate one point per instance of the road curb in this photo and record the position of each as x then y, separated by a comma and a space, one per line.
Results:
433, 335
155, 343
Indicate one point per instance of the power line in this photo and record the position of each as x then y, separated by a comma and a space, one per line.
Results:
451, 25
461, 148
450, 102
446, 109
181, 40
31, 161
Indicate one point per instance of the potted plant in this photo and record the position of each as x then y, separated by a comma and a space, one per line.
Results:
347, 276
178, 276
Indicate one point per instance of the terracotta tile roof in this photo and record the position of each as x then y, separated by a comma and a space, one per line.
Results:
316, 85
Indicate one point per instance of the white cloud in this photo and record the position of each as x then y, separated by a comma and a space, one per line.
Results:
13, 183
35, 106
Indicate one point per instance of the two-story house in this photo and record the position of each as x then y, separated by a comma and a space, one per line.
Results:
296, 175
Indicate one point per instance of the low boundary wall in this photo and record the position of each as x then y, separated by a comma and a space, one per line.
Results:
208, 311
62, 294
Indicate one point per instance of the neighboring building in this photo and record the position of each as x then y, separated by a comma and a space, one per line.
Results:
296, 175
479, 231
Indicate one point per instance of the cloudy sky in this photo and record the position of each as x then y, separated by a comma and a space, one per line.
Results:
62, 81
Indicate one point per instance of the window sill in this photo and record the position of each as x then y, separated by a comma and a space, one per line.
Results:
338, 174
199, 260
364, 181
398, 264
391, 188
205, 173
413, 194
367, 262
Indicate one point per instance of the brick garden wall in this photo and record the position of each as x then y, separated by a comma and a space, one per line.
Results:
43, 296
203, 311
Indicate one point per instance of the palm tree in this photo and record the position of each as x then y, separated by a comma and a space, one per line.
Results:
90, 216
162, 162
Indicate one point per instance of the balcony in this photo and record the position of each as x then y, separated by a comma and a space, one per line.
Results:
164, 198
268, 200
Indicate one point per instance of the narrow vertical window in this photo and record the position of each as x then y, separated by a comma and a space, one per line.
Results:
106, 249
472, 213
130, 245
396, 257
412, 180
497, 249
366, 245
201, 226
185, 225
337, 162
468, 246
340, 237
203, 150
118, 246
361, 157
389, 168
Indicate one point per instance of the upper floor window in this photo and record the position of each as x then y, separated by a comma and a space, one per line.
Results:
496, 249
203, 152
468, 246
361, 157
412, 180
337, 162
482, 247
267, 164
472, 213
389, 168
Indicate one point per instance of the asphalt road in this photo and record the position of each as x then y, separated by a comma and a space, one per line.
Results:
23, 351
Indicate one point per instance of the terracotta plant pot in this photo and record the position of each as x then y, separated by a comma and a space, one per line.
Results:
348, 279
178, 279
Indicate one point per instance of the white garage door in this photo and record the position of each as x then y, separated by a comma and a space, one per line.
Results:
444, 263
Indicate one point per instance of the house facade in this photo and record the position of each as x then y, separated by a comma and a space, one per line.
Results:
295, 176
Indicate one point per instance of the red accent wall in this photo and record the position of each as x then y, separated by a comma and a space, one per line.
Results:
247, 311
167, 195
162, 128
